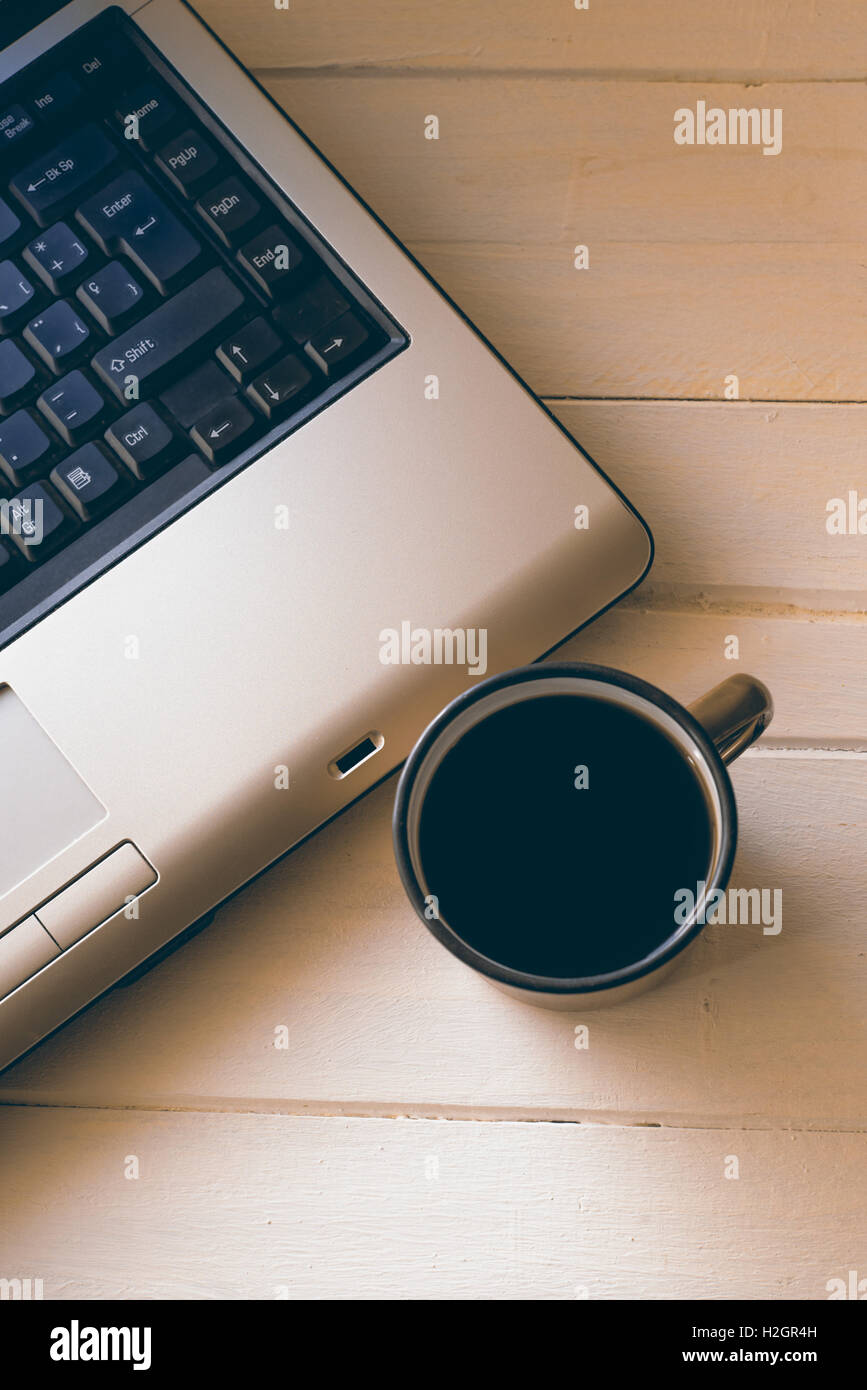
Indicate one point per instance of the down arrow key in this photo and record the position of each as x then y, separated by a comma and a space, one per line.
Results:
283, 388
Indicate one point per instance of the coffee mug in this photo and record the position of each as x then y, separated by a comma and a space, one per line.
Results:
561, 827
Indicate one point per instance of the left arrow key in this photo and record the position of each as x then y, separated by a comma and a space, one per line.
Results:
219, 433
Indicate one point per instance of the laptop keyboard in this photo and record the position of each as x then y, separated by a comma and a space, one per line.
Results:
166, 313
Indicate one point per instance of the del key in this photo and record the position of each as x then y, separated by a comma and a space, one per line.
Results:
161, 339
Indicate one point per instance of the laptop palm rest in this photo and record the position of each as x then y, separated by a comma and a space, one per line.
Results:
49, 805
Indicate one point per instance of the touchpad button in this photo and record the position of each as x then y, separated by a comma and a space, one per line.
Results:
46, 805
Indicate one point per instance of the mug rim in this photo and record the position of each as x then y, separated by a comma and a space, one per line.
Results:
521, 675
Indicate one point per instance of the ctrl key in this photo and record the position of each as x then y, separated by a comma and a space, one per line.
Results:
144, 441
23, 951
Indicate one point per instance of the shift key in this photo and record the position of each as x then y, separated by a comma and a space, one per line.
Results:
163, 342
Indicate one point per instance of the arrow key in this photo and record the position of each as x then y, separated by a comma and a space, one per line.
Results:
219, 432
335, 348
282, 388
247, 351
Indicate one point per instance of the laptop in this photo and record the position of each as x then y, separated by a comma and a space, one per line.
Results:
268, 501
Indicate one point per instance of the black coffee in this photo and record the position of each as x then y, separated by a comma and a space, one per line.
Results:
556, 833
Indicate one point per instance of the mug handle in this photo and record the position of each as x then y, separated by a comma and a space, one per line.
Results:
734, 713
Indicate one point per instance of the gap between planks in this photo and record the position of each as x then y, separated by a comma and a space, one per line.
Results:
450, 1114
404, 71
553, 401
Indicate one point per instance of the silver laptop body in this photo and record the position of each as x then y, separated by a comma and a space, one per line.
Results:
210, 695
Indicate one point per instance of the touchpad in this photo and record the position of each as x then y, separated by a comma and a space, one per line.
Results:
46, 806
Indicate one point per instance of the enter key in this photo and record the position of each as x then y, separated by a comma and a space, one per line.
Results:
129, 216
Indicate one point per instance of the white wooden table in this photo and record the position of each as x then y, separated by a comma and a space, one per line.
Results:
423, 1135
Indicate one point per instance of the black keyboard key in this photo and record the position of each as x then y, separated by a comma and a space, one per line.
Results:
16, 296
230, 209
57, 255
113, 296
73, 407
37, 524
163, 339
189, 160
129, 216
246, 352
150, 110
311, 311
89, 482
103, 63
221, 430
56, 96
337, 346
275, 260
10, 227
59, 336
191, 397
283, 388
15, 125
25, 448
52, 181
8, 568
144, 441
18, 376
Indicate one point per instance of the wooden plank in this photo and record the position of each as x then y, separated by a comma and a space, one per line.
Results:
675, 321
754, 1030
263, 1207
532, 163
703, 262
736, 494
816, 670
746, 38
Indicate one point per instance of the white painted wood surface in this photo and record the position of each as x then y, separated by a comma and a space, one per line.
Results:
405, 1144
265, 1206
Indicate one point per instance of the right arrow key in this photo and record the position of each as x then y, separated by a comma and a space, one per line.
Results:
336, 347
283, 388
220, 432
